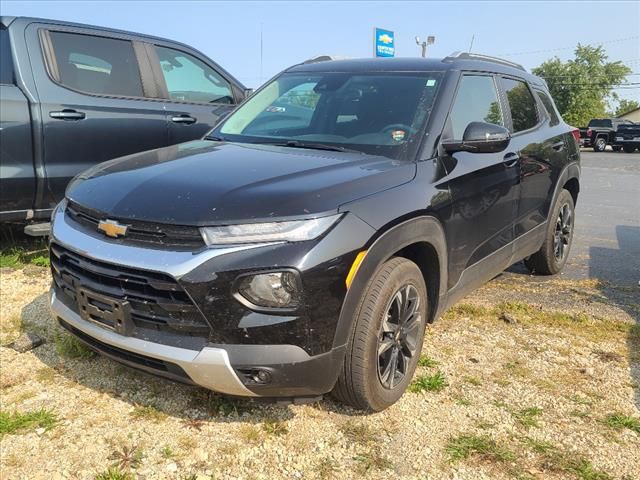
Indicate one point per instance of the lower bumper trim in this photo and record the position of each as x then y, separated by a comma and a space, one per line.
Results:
209, 367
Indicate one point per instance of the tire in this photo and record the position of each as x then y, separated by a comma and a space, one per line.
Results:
365, 381
629, 149
599, 145
616, 148
554, 252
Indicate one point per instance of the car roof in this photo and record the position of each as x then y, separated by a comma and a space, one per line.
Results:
416, 64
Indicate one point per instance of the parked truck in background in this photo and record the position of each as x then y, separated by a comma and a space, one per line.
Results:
75, 95
627, 137
601, 132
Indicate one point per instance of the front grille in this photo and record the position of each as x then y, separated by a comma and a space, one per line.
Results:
136, 360
154, 235
156, 301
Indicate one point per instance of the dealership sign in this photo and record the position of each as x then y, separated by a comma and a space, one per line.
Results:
384, 43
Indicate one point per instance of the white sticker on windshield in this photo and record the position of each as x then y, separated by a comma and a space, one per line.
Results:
431, 82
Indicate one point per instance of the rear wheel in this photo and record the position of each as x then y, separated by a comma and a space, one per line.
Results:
629, 149
553, 254
599, 145
387, 336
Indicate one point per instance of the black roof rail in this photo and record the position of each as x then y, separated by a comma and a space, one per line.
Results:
487, 58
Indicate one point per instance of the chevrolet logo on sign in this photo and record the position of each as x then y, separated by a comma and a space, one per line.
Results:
112, 228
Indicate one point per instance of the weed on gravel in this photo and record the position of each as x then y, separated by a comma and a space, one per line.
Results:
372, 460
70, 347
426, 361
528, 417
357, 432
428, 383
618, 421
572, 463
148, 412
127, 457
275, 427
14, 422
114, 473
465, 446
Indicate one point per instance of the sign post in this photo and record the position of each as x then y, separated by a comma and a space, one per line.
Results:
383, 43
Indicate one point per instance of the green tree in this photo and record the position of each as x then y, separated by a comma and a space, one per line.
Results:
625, 106
582, 87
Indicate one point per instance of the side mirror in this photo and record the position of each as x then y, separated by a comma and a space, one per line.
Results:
480, 137
247, 92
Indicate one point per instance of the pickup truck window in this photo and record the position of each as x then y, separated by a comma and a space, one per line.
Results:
476, 101
106, 66
6, 63
548, 106
524, 114
189, 79
604, 123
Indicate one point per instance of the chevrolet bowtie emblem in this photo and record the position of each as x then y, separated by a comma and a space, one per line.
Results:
112, 228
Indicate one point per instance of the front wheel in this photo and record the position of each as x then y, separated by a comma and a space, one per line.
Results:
386, 339
599, 145
554, 252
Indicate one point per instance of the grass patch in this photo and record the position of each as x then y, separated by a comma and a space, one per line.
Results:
539, 446
326, 468
528, 417
471, 380
19, 422
516, 308
429, 383
576, 464
619, 421
148, 412
467, 310
69, 346
28, 252
426, 361
357, 432
484, 447
167, 452
114, 473
275, 427
249, 433
372, 460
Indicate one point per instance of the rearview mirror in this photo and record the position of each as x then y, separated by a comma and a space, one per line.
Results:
480, 137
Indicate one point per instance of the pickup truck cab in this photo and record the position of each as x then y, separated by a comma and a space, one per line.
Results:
72, 96
627, 137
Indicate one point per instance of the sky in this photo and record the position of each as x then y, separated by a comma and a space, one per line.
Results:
230, 32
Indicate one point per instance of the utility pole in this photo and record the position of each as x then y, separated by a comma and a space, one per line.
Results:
261, 51
430, 41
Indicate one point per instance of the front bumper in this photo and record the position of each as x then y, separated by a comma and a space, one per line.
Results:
209, 367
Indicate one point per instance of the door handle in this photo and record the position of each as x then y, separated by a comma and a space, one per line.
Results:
511, 159
558, 146
185, 119
67, 114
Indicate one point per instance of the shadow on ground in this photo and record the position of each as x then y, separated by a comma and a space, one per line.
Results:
626, 296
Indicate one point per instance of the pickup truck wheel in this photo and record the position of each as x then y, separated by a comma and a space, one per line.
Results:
629, 149
599, 145
553, 254
386, 339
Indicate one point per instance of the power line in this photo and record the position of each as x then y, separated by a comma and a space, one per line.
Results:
531, 52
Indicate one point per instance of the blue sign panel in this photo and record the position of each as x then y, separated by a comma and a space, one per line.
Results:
384, 43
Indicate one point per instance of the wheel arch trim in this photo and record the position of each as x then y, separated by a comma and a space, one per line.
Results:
424, 229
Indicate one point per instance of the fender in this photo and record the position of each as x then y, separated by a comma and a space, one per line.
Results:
416, 230
571, 170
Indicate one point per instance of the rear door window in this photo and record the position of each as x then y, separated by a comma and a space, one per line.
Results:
98, 65
476, 101
522, 105
191, 80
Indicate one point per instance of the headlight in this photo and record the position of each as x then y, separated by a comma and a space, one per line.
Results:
271, 289
291, 231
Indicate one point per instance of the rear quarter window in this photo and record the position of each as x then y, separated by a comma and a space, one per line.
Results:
522, 105
549, 108
600, 123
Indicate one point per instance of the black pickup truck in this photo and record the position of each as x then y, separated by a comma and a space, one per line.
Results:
627, 137
75, 95
601, 132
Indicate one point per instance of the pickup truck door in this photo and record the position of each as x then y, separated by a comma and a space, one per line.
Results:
198, 92
17, 181
96, 102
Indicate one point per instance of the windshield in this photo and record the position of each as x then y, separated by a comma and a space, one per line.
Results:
376, 113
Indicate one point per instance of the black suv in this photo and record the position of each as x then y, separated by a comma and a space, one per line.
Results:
303, 245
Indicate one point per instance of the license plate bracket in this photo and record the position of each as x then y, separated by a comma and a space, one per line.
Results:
105, 311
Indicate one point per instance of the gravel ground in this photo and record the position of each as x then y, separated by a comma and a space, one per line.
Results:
533, 371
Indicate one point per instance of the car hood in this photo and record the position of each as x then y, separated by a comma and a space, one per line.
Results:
206, 183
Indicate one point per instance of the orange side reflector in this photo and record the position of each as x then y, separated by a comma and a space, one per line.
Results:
354, 268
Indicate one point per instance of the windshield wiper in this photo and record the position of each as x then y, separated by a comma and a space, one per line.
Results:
214, 138
313, 146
